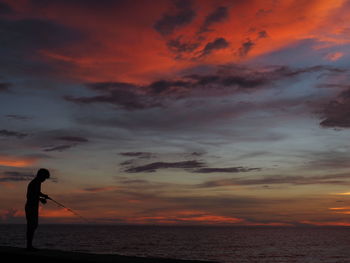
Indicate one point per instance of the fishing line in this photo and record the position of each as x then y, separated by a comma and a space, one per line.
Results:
70, 210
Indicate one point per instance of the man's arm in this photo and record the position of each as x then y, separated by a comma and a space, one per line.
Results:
44, 195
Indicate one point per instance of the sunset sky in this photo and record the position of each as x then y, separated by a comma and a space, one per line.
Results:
177, 111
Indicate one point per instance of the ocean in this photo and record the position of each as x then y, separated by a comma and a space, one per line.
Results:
222, 244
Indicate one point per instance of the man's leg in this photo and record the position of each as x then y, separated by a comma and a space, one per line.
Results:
30, 235
32, 224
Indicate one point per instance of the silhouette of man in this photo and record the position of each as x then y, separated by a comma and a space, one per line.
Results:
34, 195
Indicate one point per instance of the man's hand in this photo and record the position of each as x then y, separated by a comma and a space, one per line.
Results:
45, 196
43, 200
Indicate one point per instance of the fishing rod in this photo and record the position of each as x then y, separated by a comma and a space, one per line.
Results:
70, 210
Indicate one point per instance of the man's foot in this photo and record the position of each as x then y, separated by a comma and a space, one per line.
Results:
32, 249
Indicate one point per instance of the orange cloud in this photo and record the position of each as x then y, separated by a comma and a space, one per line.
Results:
212, 219
186, 216
10, 213
8, 185
331, 223
99, 189
345, 193
124, 47
12, 161
344, 212
57, 213
269, 224
334, 56
340, 208
134, 201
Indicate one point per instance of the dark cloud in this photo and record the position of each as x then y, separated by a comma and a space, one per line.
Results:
197, 154
7, 133
137, 154
228, 79
336, 113
127, 162
5, 9
12, 176
164, 86
17, 117
191, 166
34, 34
137, 182
246, 48
88, 4
184, 48
238, 169
218, 15
210, 47
262, 34
263, 12
127, 96
249, 78
5, 87
240, 81
58, 140
183, 15
99, 189
59, 148
23, 39
134, 181
328, 160
111, 86
76, 139
252, 154
285, 71
153, 167
268, 180
181, 47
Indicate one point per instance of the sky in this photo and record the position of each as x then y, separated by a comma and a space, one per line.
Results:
210, 112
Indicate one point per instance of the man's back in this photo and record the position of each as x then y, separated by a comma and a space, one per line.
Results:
33, 192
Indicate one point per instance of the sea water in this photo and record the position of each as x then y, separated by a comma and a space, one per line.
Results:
222, 244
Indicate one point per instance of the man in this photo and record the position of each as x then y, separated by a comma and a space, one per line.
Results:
34, 195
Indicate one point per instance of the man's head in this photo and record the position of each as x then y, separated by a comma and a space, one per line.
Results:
43, 174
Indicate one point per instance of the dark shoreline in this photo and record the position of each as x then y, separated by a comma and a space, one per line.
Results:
17, 254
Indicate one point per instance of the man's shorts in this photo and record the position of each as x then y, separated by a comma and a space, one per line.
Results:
32, 215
